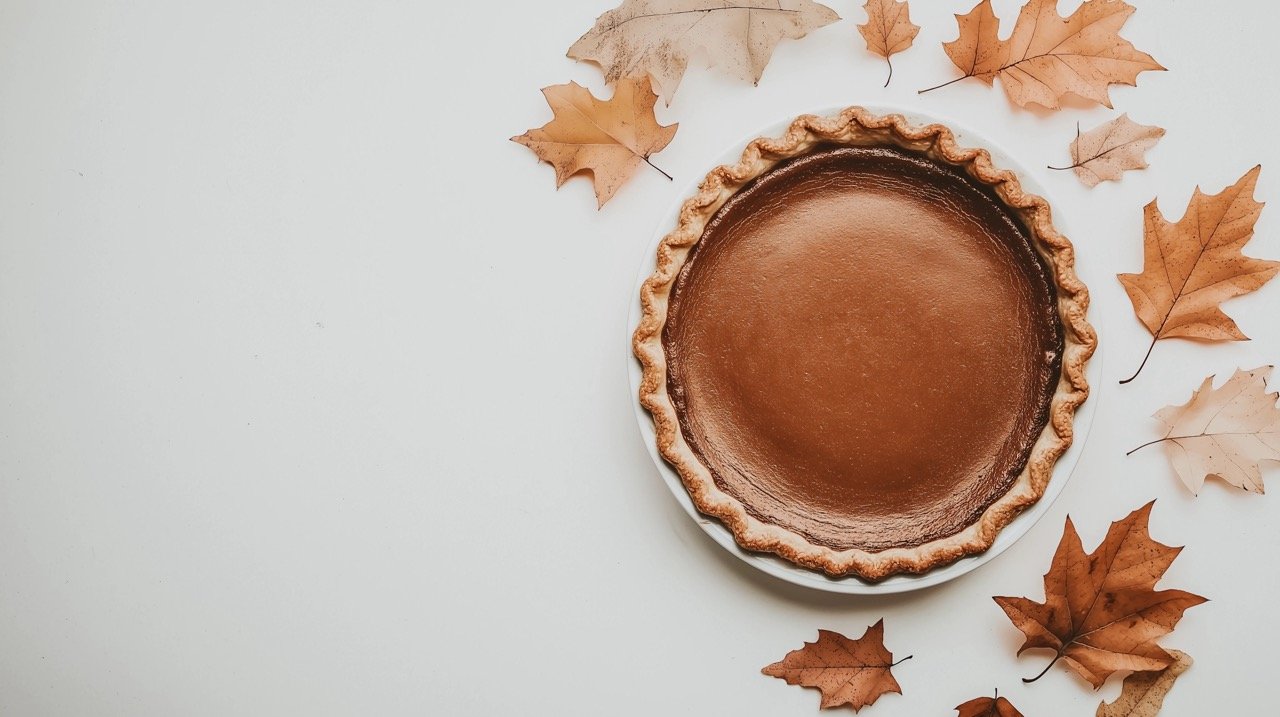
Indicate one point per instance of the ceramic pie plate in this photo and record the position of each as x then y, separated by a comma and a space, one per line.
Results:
850, 583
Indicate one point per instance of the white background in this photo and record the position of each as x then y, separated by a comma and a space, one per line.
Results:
314, 394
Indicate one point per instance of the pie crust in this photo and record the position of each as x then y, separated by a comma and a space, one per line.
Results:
856, 127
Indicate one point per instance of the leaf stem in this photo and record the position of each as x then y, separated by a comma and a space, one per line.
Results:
888, 62
651, 164
1148, 443
1045, 670
1202, 434
899, 662
1075, 153
1144, 358
944, 84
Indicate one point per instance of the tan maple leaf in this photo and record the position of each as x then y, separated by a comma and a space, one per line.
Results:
657, 37
848, 672
1102, 613
1193, 265
996, 706
1108, 150
1048, 56
1223, 432
889, 29
1143, 692
977, 51
608, 138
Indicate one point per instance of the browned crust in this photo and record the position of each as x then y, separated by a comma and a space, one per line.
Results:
856, 126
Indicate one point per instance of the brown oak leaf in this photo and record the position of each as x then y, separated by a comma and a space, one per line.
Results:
889, 29
1101, 612
1223, 432
1193, 265
608, 138
848, 672
996, 706
657, 37
1143, 692
1107, 151
1047, 56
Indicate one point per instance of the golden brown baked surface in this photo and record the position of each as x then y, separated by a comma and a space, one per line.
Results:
862, 347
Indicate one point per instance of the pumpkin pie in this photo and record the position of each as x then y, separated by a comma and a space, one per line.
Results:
863, 346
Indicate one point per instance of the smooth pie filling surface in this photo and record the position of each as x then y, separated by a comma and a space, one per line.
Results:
862, 348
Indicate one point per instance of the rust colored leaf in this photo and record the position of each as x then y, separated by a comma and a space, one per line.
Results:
657, 37
1107, 151
1193, 265
1143, 692
608, 138
1101, 612
1223, 432
995, 706
1048, 56
848, 672
889, 29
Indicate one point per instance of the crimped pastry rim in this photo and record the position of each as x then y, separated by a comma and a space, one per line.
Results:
857, 126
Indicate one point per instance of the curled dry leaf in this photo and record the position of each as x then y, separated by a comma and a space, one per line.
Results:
1143, 692
1223, 432
1047, 56
656, 37
889, 29
1101, 612
995, 706
608, 138
1108, 150
1193, 265
848, 672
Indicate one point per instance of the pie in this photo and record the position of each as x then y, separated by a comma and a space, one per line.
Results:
863, 346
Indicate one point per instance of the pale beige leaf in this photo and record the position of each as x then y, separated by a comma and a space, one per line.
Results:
657, 37
1102, 613
847, 672
1047, 56
608, 138
1193, 265
889, 29
1224, 432
1107, 151
1143, 693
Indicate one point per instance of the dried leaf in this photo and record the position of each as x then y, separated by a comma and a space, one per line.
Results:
1195, 264
608, 138
1224, 432
1108, 150
978, 50
889, 29
1144, 692
996, 706
848, 672
1047, 56
1102, 613
656, 37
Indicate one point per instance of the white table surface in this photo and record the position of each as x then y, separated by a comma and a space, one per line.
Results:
314, 393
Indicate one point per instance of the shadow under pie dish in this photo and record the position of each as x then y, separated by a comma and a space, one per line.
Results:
863, 346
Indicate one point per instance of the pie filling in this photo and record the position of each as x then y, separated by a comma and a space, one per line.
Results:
862, 348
